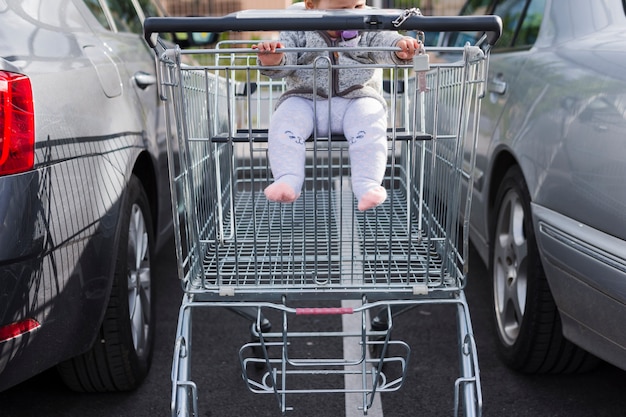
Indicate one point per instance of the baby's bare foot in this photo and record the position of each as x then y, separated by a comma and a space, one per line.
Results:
372, 198
281, 193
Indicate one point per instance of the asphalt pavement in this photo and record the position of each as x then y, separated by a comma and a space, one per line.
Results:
428, 390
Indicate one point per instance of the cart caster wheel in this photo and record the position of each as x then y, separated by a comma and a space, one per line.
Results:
266, 327
378, 325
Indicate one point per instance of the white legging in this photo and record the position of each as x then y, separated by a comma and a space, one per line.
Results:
363, 122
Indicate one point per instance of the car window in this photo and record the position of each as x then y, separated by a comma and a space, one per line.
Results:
123, 13
520, 22
510, 11
529, 29
96, 9
149, 8
125, 16
471, 7
476, 7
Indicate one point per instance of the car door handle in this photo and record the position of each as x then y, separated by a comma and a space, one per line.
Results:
497, 85
144, 80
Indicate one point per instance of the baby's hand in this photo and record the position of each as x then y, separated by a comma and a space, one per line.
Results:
268, 54
408, 48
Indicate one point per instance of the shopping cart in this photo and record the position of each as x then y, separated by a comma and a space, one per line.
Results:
237, 250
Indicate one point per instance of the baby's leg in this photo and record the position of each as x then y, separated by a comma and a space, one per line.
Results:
290, 126
365, 128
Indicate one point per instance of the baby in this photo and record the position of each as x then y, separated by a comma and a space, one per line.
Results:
358, 110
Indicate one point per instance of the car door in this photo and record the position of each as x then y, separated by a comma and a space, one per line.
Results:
126, 41
505, 102
124, 21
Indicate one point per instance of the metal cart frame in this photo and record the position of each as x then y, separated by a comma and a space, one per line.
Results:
239, 251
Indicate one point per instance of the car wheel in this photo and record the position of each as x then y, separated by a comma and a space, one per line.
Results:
120, 357
527, 320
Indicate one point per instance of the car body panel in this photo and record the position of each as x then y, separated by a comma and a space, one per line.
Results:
59, 222
587, 272
562, 119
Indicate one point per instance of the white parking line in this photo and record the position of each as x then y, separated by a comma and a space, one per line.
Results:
351, 349
352, 323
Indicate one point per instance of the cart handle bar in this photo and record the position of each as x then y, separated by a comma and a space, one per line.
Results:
309, 20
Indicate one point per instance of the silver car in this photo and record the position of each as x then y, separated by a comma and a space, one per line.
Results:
84, 202
548, 213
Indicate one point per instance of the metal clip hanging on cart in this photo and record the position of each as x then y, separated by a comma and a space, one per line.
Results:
414, 11
421, 64
421, 61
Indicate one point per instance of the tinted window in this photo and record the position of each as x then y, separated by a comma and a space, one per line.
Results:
472, 7
476, 7
149, 8
98, 12
529, 30
125, 16
520, 22
511, 13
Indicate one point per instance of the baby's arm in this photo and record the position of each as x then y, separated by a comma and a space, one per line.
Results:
268, 54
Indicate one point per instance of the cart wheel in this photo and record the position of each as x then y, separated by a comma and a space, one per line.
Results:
266, 327
527, 320
120, 358
378, 324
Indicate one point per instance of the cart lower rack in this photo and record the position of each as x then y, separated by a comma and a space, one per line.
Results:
263, 259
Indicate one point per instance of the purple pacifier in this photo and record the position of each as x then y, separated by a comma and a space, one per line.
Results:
346, 35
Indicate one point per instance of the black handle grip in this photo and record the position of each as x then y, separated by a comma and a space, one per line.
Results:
285, 19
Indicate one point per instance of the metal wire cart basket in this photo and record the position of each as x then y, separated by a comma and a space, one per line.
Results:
237, 250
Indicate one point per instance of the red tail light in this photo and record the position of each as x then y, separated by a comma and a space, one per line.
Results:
17, 124
16, 329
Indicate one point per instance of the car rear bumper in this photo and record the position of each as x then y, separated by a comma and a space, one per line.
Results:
55, 268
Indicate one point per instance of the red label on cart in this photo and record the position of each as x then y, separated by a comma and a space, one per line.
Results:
326, 311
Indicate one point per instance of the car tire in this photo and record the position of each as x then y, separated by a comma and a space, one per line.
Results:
121, 355
527, 320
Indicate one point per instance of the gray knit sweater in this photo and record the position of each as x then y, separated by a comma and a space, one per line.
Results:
352, 82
